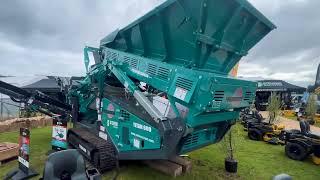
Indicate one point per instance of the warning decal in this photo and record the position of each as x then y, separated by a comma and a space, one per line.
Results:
110, 111
180, 93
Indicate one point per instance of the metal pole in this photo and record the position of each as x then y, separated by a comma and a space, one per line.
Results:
7, 110
19, 113
1, 108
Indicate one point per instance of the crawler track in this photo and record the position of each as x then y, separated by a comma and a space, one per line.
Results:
101, 153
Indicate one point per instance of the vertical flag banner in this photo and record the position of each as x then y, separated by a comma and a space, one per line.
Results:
234, 71
24, 149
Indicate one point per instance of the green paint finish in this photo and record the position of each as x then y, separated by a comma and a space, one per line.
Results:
207, 97
185, 50
198, 139
204, 119
201, 92
128, 132
212, 35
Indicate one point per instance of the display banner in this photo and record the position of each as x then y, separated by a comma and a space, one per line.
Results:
24, 149
59, 134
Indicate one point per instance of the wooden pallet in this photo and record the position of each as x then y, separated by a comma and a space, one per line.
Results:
176, 166
8, 151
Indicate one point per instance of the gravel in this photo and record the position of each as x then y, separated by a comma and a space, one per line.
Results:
291, 124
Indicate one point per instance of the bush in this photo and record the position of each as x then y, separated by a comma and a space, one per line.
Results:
27, 113
273, 107
311, 108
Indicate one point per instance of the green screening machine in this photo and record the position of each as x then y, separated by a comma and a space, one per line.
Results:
160, 87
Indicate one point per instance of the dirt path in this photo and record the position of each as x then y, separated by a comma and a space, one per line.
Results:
291, 124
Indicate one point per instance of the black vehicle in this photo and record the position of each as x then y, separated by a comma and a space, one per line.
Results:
301, 143
250, 116
264, 131
260, 130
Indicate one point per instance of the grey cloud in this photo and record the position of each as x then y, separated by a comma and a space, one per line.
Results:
292, 51
297, 28
47, 37
65, 24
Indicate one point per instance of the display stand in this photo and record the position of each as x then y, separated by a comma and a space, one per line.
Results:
59, 135
23, 171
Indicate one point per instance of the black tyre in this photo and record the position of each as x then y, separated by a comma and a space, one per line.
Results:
245, 125
296, 151
317, 150
283, 135
255, 134
294, 131
311, 122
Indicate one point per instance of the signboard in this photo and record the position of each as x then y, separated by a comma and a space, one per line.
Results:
271, 90
23, 171
59, 134
24, 149
270, 84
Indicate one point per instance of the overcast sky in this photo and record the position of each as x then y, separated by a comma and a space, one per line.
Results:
47, 37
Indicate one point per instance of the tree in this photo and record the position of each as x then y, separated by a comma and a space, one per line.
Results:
311, 108
228, 144
273, 107
27, 113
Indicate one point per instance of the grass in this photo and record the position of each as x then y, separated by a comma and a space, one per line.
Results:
257, 160
40, 144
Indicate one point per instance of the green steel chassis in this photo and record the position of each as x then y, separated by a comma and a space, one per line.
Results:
182, 51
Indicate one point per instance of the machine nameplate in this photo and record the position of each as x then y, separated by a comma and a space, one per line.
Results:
180, 93
142, 127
